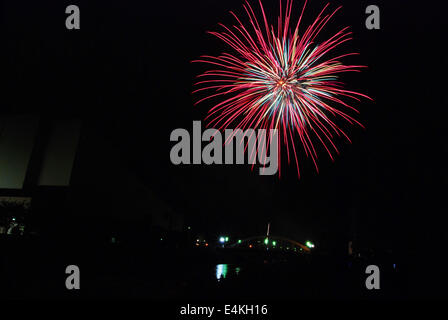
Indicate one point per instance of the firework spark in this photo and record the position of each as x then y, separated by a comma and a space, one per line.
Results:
280, 78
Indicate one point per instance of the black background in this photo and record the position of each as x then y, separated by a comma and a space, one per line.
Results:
128, 73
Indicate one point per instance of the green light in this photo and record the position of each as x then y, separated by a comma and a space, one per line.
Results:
274, 243
309, 244
266, 241
221, 271
227, 239
239, 241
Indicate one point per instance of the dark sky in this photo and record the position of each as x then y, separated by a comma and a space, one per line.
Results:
127, 73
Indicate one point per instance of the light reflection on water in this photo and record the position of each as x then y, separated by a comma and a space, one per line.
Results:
224, 270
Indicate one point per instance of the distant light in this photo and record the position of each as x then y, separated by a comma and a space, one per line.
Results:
188, 228
274, 243
13, 219
161, 239
239, 241
266, 241
227, 239
222, 239
206, 244
197, 244
250, 246
394, 265
197, 240
309, 244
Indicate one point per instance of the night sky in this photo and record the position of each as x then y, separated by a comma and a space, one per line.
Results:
127, 74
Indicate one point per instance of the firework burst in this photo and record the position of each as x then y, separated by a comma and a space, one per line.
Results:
281, 78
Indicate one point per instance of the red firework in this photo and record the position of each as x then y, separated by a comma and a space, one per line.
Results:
278, 78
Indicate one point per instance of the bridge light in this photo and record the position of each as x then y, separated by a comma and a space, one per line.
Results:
309, 244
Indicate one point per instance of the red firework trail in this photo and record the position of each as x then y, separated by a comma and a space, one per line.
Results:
278, 78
